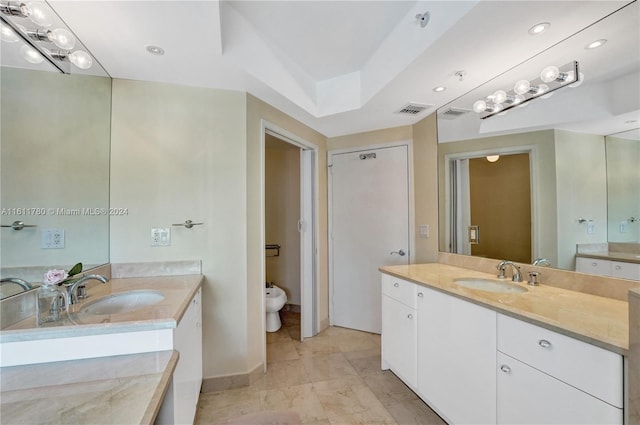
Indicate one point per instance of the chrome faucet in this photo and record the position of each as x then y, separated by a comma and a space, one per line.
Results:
541, 262
72, 290
516, 277
23, 283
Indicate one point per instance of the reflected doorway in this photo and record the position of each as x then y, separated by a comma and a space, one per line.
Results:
492, 207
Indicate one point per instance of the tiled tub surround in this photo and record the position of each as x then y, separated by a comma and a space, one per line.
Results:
125, 389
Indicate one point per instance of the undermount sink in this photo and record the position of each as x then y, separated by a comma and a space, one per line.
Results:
489, 285
122, 302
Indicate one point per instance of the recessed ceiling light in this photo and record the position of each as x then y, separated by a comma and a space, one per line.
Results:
155, 50
439, 89
596, 44
539, 28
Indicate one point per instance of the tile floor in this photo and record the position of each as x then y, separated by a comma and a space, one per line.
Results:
333, 378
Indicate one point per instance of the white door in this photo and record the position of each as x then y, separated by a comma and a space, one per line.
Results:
369, 219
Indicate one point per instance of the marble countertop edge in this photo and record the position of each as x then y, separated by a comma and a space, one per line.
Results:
157, 398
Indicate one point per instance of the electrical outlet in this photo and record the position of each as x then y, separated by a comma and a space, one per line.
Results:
424, 230
591, 228
161, 236
52, 239
623, 227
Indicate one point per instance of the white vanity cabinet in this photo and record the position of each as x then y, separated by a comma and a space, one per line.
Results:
456, 357
548, 378
181, 400
399, 328
620, 269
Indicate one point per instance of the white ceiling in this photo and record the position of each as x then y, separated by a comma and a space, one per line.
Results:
341, 67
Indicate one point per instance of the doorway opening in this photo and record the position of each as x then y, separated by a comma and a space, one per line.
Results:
289, 234
491, 206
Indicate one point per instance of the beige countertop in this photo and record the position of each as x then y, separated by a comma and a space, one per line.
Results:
627, 257
597, 320
125, 389
177, 292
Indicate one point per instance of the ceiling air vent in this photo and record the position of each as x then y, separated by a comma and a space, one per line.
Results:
452, 113
413, 108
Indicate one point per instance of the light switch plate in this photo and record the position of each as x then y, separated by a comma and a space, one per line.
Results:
161, 236
52, 239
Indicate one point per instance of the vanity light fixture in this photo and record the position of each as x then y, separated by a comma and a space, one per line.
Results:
551, 78
18, 19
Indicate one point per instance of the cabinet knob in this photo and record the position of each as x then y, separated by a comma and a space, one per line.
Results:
409, 316
505, 368
544, 343
594, 264
396, 285
618, 267
420, 294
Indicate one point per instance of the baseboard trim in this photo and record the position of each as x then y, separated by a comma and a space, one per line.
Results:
228, 382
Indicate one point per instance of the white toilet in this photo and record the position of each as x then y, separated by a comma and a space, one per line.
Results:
274, 299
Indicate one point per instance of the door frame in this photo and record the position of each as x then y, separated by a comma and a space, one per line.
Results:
309, 260
409, 144
449, 190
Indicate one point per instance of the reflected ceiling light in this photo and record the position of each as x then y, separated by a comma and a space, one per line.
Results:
7, 34
493, 158
551, 78
596, 44
539, 28
30, 54
37, 39
439, 89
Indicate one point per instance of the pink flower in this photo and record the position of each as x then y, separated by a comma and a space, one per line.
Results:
55, 276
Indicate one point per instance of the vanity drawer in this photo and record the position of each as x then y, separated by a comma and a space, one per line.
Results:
400, 290
592, 369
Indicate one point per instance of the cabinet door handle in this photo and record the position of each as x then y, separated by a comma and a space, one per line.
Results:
420, 294
618, 267
544, 343
594, 264
505, 368
396, 285
409, 316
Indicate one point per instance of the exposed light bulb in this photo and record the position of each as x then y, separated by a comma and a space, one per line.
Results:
517, 99
30, 54
500, 96
81, 59
493, 158
38, 14
479, 106
63, 38
522, 87
7, 34
549, 74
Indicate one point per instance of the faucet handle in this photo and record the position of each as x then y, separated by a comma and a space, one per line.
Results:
501, 270
533, 278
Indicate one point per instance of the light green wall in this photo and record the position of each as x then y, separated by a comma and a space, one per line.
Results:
623, 188
55, 155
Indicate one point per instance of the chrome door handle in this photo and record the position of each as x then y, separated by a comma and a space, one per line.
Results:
400, 252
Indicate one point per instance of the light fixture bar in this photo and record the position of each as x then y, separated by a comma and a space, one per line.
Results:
64, 67
530, 90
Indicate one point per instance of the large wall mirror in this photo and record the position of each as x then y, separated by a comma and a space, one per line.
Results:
571, 157
54, 171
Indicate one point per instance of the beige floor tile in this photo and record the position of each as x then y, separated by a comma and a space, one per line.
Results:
366, 365
217, 407
349, 397
414, 412
350, 355
330, 366
281, 335
363, 418
355, 342
290, 318
282, 374
282, 350
317, 346
294, 332
298, 398
388, 388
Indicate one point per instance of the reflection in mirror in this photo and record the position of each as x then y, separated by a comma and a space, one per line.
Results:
623, 186
564, 138
54, 173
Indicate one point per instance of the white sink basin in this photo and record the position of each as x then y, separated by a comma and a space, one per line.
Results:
489, 285
122, 302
